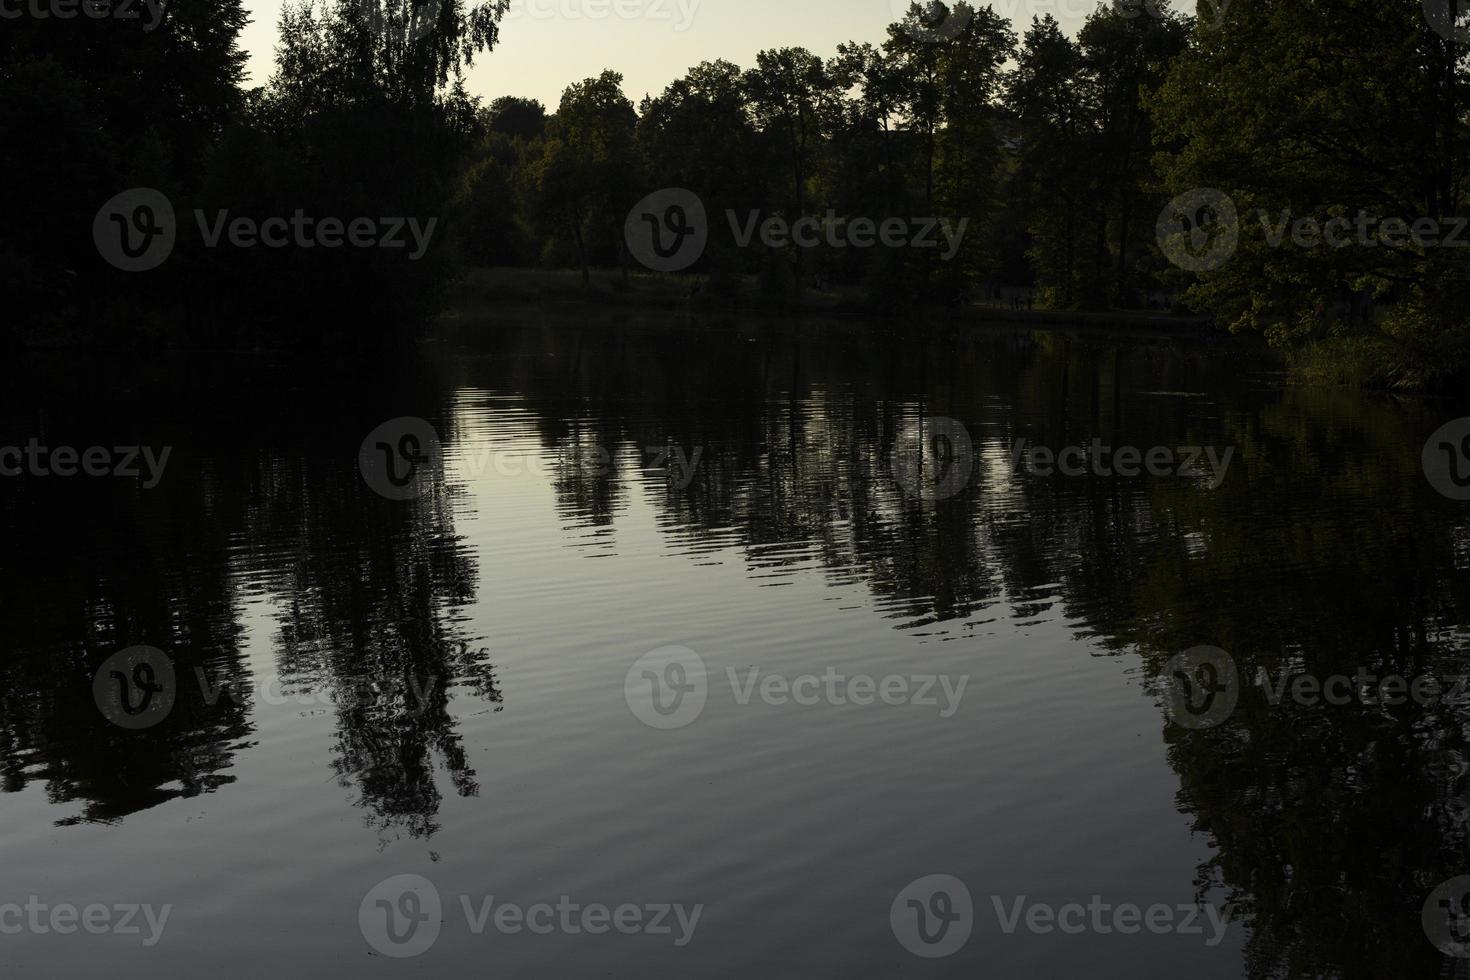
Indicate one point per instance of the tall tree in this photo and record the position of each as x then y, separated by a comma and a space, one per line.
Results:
588, 164
90, 106
1299, 111
949, 81
865, 129
790, 93
1044, 93
698, 134
517, 117
1124, 55
969, 152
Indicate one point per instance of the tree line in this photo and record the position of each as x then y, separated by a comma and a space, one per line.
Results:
1040, 142
1062, 153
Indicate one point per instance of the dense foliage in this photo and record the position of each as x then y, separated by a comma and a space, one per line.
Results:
1057, 155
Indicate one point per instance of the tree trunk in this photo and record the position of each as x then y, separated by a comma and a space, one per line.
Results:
581, 250
1126, 203
799, 161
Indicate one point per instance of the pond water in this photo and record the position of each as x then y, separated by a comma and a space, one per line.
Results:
670, 649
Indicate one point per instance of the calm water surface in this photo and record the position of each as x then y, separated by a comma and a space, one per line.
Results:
441, 686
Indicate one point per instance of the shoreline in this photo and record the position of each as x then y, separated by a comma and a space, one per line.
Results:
484, 289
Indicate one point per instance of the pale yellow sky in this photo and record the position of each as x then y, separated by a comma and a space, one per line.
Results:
548, 44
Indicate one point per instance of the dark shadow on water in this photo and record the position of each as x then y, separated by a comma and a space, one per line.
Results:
255, 498
1323, 550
